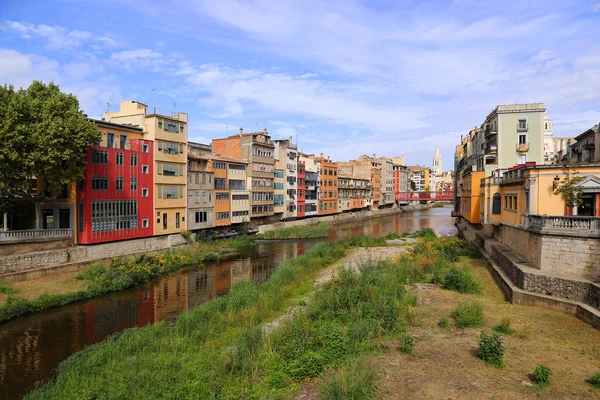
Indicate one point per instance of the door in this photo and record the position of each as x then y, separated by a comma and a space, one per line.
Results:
64, 218
48, 218
587, 208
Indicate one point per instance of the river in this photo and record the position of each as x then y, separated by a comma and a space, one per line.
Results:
32, 347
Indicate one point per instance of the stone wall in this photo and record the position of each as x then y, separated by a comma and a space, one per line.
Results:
25, 246
571, 255
526, 243
80, 254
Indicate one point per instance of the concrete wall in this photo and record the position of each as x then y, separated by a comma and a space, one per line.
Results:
525, 243
571, 255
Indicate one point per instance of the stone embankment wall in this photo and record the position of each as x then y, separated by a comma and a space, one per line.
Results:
343, 217
84, 254
523, 284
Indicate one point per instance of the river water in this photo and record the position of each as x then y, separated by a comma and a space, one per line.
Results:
32, 347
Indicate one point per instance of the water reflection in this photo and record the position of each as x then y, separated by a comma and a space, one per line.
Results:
32, 347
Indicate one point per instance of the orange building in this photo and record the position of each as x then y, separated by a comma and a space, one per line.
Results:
328, 182
376, 184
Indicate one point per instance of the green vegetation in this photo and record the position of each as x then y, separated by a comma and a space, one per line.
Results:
44, 134
407, 344
437, 205
504, 326
355, 381
123, 274
461, 280
595, 380
186, 235
542, 374
7, 289
296, 232
491, 349
468, 314
444, 322
219, 349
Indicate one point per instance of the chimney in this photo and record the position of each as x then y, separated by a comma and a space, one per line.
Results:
321, 155
291, 141
266, 131
241, 131
374, 156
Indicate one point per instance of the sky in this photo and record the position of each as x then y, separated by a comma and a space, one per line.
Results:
346, 77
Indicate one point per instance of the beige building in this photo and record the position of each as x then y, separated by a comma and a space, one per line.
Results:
168, 130
237, 177
200, 188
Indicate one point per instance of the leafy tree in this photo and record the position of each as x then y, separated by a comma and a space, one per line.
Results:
44, 134
570, 190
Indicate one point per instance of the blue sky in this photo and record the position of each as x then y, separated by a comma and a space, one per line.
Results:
377, 77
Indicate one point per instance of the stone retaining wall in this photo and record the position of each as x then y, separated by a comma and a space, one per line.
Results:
81, 254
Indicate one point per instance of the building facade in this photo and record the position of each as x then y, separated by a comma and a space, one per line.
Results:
200, 188
114, 200
168, 132
311, 184
328, 186
301, 188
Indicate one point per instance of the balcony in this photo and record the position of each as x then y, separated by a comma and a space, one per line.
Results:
574, 225
522, 147
35, 235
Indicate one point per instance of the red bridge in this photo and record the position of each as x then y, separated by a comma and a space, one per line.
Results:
426, 196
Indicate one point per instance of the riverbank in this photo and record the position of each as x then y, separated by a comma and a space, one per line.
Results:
343, 217
319, 230
219, 348
22, 298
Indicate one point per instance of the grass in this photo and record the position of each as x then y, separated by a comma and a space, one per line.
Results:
120, 275
296, 232
218, 350
468, 314
504, 327
437, 205
355, 381
595, 380
8, 289
461, 280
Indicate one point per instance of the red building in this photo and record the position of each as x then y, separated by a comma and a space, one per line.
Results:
301, 189
114, 201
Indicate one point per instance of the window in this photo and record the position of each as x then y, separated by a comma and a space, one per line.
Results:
204, 197
110, 140
99, 157
240, 213
171, 126
122, 142
144, 192
133, 184
144, 169
221, 196
134, 160
522, 158
496, 203
170, 147
522, 140
170, 191
220, 184
164, 220
170, 169
223, 215
160, 123
100, 183
237, 184
145, 223
114, 215
219, 165
522, 125
119, 185
119, 158
177, 220
203, 179
80, 216
237, 167
144, 148
201, 216
239, 197
197, 197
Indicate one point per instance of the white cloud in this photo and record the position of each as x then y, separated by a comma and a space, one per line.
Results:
21, 70
596, 7
58, 37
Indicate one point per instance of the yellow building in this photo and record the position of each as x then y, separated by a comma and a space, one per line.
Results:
169, 131
468, 195
419, 176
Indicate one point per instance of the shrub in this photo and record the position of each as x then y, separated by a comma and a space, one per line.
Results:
461, 280
491, 349
91, 273
444, 322
504, 326
8, 289
468, 314
407, 344
356, 381
437, 205
426, 233
186, 235
595, 380
542, 374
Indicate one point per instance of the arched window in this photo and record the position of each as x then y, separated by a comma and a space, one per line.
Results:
496, 203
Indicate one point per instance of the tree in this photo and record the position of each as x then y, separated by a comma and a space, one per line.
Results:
43, 134
570, 190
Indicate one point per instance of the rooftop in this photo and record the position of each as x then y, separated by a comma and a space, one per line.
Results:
109, 124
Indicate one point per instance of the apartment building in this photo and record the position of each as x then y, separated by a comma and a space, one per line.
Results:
114, 200
257, 150
328, 190
279, 190
365, 168
286, 155
301, 188
352, 193
168, 132
200, 187
237, 180
419, 178
311, 183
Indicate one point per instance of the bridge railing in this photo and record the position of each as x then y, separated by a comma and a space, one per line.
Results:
426, 196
